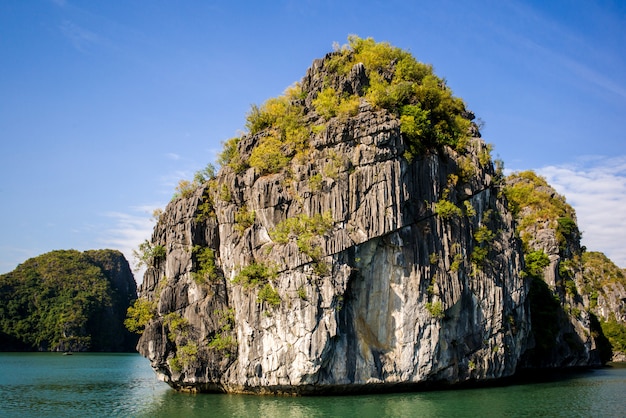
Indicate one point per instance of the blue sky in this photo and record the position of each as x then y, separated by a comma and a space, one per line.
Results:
105, 106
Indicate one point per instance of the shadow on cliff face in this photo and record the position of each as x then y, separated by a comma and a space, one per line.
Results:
553, 339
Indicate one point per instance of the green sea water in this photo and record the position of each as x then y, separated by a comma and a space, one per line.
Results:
124, 385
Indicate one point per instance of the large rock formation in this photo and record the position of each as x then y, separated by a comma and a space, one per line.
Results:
67, 301
565, 331
374, 251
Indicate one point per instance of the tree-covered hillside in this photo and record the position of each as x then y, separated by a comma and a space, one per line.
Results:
67, 301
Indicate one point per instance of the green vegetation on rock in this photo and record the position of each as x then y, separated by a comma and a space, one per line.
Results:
254, 274
149, 254
139, 314
206, 270
533, 201
600, 274
447, 210
223, 341
430, 115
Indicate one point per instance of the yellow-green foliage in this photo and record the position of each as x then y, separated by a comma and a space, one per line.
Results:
466, 168
268, 294
334, 165
223, 340
244, 218
186, 354
177, 325
148, 254
469, 209
304, 229
230, 156
255, 274
185, 188
139, 314
483, 234
206, 269
315, 182
530, 192
447, 210
329, 104
269, 156
302, 293
430, 114
435, 309
284, 119
615, 332
224, 194
456, 262
206, 209
599, 271
484, 156
536, 262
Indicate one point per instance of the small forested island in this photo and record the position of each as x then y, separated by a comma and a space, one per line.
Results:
360, 237
68, 301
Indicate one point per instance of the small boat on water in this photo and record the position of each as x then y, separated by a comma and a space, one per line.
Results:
67, 353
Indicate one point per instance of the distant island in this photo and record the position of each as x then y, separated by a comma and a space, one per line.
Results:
68, 301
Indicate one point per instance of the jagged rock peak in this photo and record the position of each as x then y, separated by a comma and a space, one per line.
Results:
356, 238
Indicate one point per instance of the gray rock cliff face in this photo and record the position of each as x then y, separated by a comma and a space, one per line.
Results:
564, 331
391, 291
112, 335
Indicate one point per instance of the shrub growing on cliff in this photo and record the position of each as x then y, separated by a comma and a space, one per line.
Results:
283, 119
269, 156
430, 115
435, 309
268, 294
615, 332
306, 229
206, 268
447, 210
204, 175
139, 314
302, 227
223, 340
244, 218
254, 274
329, 104
177, 325
148, 254
230, 156
186, 355
536, 262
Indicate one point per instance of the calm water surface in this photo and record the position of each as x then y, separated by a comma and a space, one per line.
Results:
123, 385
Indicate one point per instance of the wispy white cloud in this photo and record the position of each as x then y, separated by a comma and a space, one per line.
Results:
589, 75
596, 188
128, 230
553, 42
173, 156
80, 37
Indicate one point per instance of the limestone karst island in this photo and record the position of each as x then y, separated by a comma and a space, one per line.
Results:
360, 237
